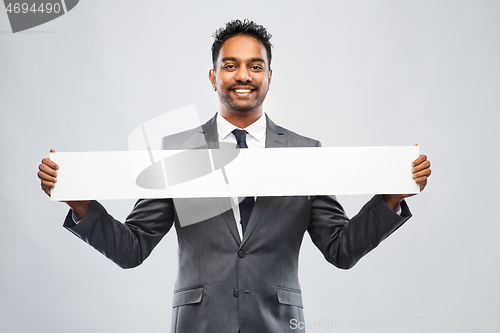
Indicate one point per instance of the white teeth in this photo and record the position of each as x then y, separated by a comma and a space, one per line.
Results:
242, 90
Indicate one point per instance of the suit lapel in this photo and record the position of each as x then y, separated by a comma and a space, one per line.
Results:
228, 216
275, 138
209, 137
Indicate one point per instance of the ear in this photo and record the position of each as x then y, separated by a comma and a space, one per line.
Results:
270, 76
211, 77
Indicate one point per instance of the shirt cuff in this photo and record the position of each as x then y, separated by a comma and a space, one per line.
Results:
76, 220
398, 211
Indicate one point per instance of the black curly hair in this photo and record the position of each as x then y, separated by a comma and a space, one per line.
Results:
237, 27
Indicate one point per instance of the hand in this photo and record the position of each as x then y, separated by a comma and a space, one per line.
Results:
420, 172
48, 176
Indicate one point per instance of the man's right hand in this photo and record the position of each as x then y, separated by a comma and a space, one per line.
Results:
48, 177
48, 174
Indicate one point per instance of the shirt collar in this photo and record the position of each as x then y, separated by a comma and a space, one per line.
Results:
257, 129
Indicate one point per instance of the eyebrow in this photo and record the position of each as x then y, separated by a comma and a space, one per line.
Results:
251, 60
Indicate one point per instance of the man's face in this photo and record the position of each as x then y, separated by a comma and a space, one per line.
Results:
242, 75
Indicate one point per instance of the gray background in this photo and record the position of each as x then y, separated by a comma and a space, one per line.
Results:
350, 73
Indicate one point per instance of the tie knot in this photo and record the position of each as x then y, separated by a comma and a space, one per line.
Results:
241, 138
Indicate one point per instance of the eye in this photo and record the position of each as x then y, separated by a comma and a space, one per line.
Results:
257, 67
229, 66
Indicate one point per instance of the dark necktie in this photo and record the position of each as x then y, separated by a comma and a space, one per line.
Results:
246, 205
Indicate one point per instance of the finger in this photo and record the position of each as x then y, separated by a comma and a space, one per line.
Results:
422, 184
422, 179
51, 164
46, 189
423, 173
48, 170
43, 176
424, 165
48, 184
47, 174
419, 160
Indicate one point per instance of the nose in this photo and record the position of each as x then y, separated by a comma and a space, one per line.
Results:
243, 74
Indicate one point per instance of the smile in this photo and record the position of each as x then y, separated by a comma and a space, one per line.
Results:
242, 91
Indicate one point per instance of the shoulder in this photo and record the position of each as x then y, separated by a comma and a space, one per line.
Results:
200, 137
292, 139
295, 139
182, 140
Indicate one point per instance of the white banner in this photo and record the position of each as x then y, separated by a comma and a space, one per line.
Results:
203, 173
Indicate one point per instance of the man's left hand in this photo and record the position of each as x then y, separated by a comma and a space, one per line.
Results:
421, 170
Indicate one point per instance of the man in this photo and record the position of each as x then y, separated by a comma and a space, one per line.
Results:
240, 277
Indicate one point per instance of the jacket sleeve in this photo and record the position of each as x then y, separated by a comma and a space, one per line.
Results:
342, 241
127, 244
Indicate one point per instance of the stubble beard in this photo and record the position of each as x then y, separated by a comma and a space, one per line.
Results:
242, 109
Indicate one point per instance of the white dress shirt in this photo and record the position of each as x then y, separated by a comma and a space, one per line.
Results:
256, 138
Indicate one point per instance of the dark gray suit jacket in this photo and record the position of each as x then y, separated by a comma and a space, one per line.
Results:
228, 285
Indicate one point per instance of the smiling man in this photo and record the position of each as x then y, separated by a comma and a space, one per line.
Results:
238, 271
241, 75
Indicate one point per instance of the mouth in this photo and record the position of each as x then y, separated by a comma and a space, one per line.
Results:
242, 91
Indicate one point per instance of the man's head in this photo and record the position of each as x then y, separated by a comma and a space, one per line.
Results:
241, 71
236, 28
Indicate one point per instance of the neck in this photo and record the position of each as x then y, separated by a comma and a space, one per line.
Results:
241, 119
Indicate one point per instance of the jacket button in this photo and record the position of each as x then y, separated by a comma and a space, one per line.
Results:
235, 292
241, 253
